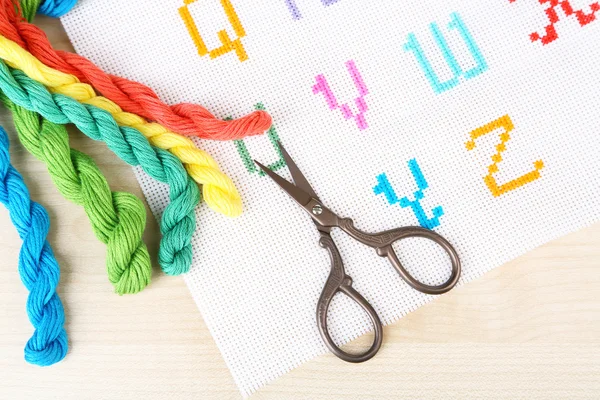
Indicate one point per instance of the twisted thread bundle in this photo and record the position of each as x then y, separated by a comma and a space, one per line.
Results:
186, 119
118, 218
29, 8
56, 8
37, 266
51, 8
218, 190
178, 222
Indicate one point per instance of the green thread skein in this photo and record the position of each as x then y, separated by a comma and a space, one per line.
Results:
112, 214
118, 218
29, 8
178, 221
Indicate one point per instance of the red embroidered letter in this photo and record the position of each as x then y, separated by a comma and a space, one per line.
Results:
552, 14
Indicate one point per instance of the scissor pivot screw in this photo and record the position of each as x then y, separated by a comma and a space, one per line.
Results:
317, 210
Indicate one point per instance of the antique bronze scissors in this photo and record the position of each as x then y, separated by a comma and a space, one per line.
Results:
338, 281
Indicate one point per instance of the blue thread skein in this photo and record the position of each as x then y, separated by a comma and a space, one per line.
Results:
56, 8
37, 266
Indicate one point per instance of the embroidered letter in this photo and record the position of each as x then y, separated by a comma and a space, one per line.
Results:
245, 154
439, 86
323, 87
550, 31
383, 187
227, 44
506, 124
291, 4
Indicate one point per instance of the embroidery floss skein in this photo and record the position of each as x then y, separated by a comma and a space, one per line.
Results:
51, 8
37, 266
29, 8
218, 190
118, 218
56, 8
186, 119
177, 222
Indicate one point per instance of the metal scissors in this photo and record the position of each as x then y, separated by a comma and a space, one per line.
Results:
338, 281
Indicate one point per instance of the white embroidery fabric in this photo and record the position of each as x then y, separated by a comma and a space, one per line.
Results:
256, 279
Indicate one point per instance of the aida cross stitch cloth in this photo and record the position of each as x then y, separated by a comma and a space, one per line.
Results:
476, 119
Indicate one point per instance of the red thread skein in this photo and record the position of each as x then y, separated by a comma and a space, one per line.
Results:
185, 118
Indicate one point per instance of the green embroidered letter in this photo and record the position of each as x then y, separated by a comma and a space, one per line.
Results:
245, 154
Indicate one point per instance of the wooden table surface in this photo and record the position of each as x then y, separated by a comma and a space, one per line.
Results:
529, 329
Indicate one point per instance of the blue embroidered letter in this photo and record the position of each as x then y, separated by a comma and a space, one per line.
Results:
437, 85
384, 187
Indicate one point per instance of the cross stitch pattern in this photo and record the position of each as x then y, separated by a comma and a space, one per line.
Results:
295, 11
478, 65
228, 44
439, 86
553, 13
247, 157
384, 187
506, 126
322, 86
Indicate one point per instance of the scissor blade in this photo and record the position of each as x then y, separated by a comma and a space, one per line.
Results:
297, 175
292, 190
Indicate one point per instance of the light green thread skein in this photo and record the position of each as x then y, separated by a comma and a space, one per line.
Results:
117, 218
29, 8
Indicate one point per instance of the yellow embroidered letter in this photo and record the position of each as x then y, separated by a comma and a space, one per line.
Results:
505, 123
227, 44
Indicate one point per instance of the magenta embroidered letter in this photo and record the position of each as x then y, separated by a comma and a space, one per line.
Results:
323, 87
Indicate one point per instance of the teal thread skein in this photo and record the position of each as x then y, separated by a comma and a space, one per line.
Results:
178, 221
37, 266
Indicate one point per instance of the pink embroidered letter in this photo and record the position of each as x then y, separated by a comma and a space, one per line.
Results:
323, 87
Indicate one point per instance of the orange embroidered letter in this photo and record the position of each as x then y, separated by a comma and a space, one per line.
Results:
505, 123
227, 44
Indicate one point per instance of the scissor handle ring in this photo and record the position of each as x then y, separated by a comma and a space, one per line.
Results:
416, 231
338, 281
382, 242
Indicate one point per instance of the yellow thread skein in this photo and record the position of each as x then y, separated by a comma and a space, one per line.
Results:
218, 189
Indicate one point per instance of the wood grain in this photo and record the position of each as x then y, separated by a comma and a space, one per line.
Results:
527, 330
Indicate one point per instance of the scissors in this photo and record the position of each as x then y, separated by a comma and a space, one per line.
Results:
338, 280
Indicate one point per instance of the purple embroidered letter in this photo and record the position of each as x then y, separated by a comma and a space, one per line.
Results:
293, 9
323, 87
291, 4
